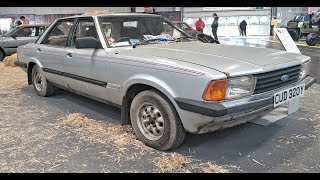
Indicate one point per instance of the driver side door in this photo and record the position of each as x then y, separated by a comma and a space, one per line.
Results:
85, 68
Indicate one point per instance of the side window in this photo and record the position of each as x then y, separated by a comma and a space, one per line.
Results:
85, 28
59, 34
27, 32
41, 30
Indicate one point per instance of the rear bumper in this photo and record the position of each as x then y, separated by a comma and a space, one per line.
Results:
230, 113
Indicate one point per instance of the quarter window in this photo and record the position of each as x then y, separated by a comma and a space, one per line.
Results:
59, 34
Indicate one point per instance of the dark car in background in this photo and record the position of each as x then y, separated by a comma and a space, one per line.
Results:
186, 27
19, 36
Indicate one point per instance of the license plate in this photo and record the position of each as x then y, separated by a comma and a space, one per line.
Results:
288, 94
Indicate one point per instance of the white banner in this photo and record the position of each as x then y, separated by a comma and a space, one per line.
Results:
286, 40
225, 8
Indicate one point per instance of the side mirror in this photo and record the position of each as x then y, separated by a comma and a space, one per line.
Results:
87, 42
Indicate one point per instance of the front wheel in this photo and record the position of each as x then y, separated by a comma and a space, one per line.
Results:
312, 39
40, 83
155, 121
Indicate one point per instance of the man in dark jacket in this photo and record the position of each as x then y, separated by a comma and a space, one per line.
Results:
243, 28
214, 26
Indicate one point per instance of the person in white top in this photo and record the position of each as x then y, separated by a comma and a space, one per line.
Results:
12, 24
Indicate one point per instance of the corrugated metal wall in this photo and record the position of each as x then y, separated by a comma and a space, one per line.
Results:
71, 10
57, 10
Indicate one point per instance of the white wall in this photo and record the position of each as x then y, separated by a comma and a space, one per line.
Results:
227, 13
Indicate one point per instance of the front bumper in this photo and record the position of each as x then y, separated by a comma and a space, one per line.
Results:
21, 64
230, 113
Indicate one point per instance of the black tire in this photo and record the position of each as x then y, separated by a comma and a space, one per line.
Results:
294, 34
40, 83
1, 55
173, 132
205, 38
312, 39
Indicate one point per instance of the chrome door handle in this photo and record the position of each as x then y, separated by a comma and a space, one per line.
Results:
38, 50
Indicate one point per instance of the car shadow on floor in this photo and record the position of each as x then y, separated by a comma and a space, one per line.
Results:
231, 146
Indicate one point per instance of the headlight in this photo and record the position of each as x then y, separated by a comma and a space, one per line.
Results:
229, 88
304, 70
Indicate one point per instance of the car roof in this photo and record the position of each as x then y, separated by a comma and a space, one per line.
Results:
115, 15
33, 25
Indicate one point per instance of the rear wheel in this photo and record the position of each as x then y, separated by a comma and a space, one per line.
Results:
312, 39
155, 121
40, 83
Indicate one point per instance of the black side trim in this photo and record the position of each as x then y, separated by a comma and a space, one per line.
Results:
52, 71
73, 76
11, 47
213, 109
21, 64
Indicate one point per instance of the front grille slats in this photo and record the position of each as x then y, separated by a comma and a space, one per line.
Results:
278, 72
272, 80
262, 81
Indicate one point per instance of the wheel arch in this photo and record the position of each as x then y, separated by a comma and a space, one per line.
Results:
137, 85
31, 63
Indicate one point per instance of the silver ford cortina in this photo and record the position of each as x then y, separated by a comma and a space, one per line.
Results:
165, 82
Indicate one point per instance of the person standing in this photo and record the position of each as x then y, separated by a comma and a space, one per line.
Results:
17, 24
214, 26
24, 21
243, 28
149, 10
275, 25
271, 26
12, 24
199, 25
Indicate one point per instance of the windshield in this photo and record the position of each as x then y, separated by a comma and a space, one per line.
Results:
184, 26
127, 31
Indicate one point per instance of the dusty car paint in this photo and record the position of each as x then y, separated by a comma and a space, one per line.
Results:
178, 70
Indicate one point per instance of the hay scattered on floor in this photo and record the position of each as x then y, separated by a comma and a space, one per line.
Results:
122, 138
97, 12
102, 132
212, 168
9, 60
172, 162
